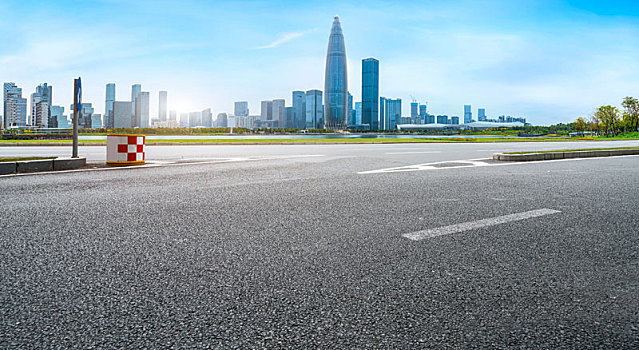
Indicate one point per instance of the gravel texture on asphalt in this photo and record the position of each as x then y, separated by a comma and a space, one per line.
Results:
306, 253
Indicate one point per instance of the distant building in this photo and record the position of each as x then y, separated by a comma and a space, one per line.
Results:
335, 113
96, 121
85, 118
392, 113
358, 113
279, 113
442, 119
423, 112
162, 106
370, 93
172, 115
241, 109
290, 121
57, 114
142, 110
383, 121
468, 114
135, 91
15, 107
195, 119
266, 111
349, 108
207, 118
454, 120
481, 114
314, 110
184, 120
108, 105
40, 105
122, 114
222, 120
299, 109
414, 112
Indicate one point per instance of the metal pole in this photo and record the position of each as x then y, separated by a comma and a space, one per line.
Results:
76, 113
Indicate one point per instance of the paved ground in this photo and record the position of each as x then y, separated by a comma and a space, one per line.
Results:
304, 247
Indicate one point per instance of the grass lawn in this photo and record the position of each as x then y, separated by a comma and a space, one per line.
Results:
573, 150
17, 159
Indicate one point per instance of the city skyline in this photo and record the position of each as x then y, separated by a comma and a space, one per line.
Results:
517, 61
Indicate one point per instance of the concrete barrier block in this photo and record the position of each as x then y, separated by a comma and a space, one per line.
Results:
68, 163
496, 156
7, 168
34, 165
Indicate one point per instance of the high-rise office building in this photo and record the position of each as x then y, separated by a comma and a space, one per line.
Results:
383, 121
266, 111
207, 118
414, 112
393, 113
358, 113
96, 121
423, 113
195, 119
173, 115
135, 91
142, 110
184, 120
108, 105
290, 120
241, 109
162, 106
40, 106
442, 119
279, 112
370, 93
122, 114
222, 120
299, 109
314, 110
454, 120
481, 114
468, 114
15, 107
58, 118
85, 117
335, 80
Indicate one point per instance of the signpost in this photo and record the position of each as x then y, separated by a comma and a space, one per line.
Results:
77, 106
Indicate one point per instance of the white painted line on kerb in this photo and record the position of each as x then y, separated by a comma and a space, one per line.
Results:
466, 226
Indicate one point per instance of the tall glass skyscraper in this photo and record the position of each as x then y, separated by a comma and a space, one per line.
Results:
162, 106
314, 109
335, 82
468, 114
370, 93
108, 106
299, 109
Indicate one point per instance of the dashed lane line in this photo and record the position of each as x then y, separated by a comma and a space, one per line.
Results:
472, 225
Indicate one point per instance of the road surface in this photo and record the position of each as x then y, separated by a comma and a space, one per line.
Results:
324, 246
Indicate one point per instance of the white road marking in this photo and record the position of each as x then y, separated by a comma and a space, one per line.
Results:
447, 230
414, 152
472, 163
164, 163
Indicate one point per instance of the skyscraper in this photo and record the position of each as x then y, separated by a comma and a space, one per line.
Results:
279, 112
15, 107
207, 118
383, 122
370, 93
468, 114
241, 109
135, 91
195, 119
481, 114
41, 105
414, 112
358, 113
142, 110
266, 111
108, 105
86, 115
57, 114
335, 80
122, 114
290, 121
162, 106
299, 109
314, 110
393, 113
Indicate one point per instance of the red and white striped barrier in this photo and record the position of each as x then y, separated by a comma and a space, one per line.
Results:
125, 149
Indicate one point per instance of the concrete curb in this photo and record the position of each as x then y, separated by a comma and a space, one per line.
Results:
563, 155
30, 166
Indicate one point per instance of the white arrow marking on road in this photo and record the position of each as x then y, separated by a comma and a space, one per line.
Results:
447, 230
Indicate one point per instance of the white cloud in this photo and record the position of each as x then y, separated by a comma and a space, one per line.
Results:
283, 38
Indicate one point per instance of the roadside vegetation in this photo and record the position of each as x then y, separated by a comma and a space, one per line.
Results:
610, 121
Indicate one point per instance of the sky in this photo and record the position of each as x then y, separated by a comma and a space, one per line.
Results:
548, 61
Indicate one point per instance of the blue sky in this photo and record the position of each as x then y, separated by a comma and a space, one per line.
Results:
549, 61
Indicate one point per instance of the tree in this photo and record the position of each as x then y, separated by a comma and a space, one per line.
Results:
580, 124
608, 118
631, 112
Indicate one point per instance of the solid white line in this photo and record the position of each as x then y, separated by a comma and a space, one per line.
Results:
447, 230
414, 152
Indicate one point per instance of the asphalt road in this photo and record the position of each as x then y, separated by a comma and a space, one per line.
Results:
304, 247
